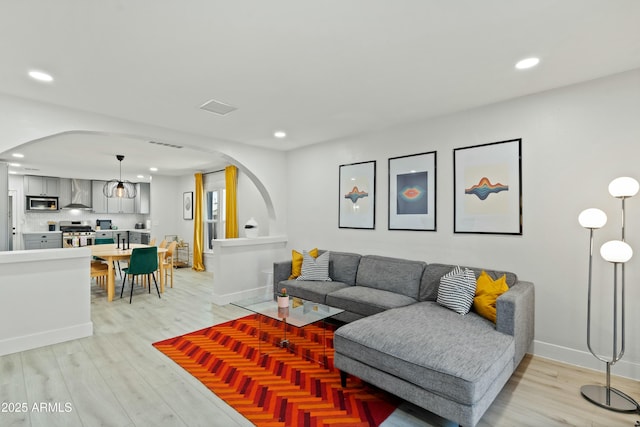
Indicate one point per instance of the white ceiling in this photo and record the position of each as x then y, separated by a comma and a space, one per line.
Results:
320, 70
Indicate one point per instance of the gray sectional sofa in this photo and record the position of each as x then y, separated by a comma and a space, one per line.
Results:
397, 337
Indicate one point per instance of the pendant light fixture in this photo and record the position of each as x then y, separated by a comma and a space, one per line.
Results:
119, 187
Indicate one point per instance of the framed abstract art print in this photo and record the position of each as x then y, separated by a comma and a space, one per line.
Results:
412, 192
357, 195
488, 188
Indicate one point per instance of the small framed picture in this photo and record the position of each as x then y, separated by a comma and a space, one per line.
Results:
412, 192
487, 185
187, 205
357, 195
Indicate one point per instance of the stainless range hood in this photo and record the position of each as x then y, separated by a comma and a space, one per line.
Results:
80, 195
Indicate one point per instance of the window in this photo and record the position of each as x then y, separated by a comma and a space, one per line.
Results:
215, 215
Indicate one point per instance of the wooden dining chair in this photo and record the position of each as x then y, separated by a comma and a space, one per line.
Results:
143, 262
163, 244
167, 262
100, 272
152, 242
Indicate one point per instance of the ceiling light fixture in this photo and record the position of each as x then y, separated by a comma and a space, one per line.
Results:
527, 63
153, 169
41, 76
15, 165
118, 187
280, 134
18, 155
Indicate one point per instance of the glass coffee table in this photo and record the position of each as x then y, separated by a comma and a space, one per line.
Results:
300, 324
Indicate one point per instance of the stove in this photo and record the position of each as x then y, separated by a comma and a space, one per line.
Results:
76, 234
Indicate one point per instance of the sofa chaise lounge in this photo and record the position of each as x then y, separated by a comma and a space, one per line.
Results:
399, 338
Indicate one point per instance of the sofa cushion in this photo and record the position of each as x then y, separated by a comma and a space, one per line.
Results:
315, 268
457, 289
311, 290
296, 261
458, 358
430, 280
487, 293
343, 267
396, 275
366, 301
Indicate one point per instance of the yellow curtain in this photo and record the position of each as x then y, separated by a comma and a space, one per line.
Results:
198, 231
231, 201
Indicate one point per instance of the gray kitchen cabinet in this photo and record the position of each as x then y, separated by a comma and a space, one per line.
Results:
41, 186
65, 192
98, 198
121, 205
101, 234
143, 199
103, 204
134, 237
42, 241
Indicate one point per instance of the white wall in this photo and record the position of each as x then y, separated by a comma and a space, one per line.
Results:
575, 140
4, 206
166, 207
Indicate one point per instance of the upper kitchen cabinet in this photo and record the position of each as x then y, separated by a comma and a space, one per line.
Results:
121, 205
143, 199
41, 186
104, 204
99, 199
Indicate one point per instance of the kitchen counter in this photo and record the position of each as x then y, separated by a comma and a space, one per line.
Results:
54, 233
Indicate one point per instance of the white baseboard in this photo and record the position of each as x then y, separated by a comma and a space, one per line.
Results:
41, 339
585, 359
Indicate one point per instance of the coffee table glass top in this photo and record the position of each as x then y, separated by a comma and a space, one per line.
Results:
300, 312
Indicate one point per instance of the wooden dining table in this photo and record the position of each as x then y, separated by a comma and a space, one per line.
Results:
112, 252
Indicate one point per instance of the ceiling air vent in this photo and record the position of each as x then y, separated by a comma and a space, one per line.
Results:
164, 144
217, 107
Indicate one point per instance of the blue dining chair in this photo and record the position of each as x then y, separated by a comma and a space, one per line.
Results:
143, 261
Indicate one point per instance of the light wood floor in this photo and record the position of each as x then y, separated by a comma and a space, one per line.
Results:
116, 378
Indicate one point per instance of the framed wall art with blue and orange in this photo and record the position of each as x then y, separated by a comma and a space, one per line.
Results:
412, 192
357, 195
487, 182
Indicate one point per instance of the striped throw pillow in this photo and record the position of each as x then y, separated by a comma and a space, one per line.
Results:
457, 290
316, 269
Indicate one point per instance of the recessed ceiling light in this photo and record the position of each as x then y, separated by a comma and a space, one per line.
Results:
15, 165
140, 176
527, 63
13, 173
153, 169
40, 76
280, 134
18, 155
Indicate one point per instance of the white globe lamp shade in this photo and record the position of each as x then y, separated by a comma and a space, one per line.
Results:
592, 218
623, 187
616, 251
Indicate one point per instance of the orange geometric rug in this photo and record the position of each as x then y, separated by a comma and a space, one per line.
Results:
273, 386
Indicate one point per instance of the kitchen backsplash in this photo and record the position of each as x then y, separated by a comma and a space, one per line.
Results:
36, 221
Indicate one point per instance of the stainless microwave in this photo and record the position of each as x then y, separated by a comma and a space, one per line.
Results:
41, 203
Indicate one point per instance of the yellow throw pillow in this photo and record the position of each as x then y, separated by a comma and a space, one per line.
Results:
487, 292
296, 262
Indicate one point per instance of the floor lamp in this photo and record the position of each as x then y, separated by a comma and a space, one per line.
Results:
617, 252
